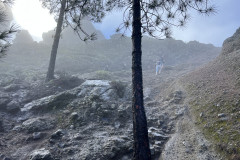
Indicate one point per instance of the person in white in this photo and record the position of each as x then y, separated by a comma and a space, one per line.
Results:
159, 66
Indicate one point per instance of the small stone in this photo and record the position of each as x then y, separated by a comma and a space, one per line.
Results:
117, 124
57, 135
94, 105
188, 150
74, 116
66, 112
37, 135
77, 136
158, 143
220, 115
113, 106
72, 127
203, 148
152, 150
2, 156
61, 145
17, 128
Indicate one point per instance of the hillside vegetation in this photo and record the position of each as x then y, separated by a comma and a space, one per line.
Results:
214, 93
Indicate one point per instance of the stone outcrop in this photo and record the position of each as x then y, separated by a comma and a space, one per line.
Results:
232, 43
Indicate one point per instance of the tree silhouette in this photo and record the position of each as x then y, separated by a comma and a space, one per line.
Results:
155, 18
6, 35
71, 13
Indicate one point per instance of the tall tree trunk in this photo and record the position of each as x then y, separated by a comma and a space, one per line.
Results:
51, 66
140, 132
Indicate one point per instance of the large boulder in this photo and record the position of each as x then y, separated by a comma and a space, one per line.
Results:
100, 89
50, 102
37, 124
103, 147
41, 154
90, 90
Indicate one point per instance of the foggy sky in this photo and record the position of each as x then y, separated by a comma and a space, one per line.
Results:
212, 29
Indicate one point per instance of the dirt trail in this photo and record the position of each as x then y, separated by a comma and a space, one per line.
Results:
169, 100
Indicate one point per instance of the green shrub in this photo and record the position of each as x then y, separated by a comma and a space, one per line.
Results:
103, 75
119, 87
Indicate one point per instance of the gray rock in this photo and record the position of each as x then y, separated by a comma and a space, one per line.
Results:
78, 136
74, 116
17, 128
220, 115
12, 88
4, 100
51, 102
41, 154
37, 135
156, 135
13, 106
98, 83
57, 135
203, 148
117, 124
37, 124
66, 112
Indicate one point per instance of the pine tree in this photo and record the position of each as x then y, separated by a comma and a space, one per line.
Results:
71, 13
155, 18
6, 35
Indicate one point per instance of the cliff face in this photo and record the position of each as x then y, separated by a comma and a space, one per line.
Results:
232, 43
69, 38
23, 37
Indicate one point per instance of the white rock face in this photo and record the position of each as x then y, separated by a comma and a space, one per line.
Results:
42, 101
96, 83
40, 154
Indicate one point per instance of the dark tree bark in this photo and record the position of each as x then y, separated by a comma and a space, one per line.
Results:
140, 132
51, 66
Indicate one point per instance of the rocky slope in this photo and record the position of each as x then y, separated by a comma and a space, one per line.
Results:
91, 121
214, 98
88, 116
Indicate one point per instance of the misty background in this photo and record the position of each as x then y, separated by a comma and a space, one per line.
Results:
211, 29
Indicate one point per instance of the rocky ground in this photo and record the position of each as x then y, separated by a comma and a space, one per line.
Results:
214, 98
91, 119
193, 113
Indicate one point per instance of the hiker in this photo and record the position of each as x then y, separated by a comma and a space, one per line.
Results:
159, 66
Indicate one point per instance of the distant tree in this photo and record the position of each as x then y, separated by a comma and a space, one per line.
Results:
70, 13
155, 18
5, 34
